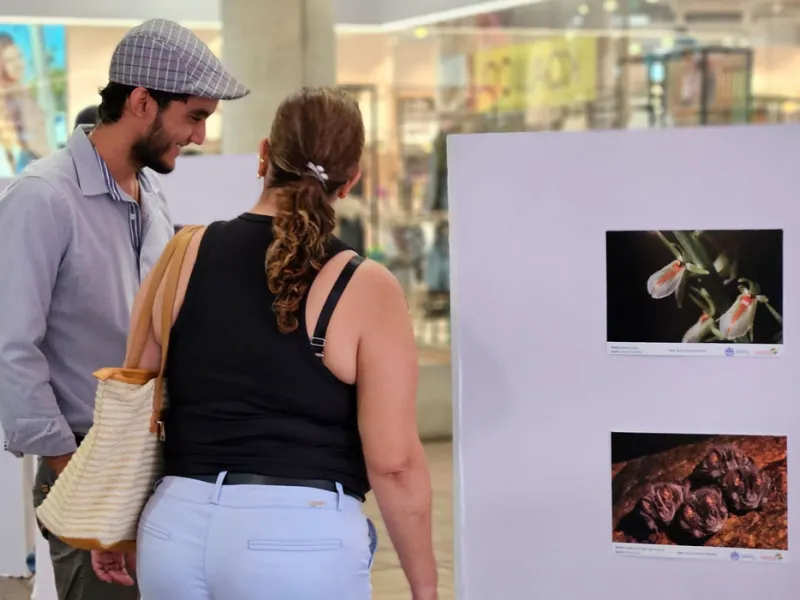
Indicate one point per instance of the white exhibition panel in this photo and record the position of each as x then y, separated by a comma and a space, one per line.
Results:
536, 393
44, 584
203, 189
16, 514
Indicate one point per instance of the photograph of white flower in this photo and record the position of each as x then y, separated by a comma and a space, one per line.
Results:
705, 293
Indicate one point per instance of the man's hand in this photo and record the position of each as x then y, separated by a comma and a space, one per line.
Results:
112, 567
58, 463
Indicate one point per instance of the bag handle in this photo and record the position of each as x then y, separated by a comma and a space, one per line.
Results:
141, 330
167, 311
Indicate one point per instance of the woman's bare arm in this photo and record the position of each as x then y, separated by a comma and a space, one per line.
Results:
151, 357
388, 373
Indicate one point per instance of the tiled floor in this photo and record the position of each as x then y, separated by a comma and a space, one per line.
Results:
15, 589
387, 576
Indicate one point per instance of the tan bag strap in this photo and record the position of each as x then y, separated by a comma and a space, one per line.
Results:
141, 330
182, 240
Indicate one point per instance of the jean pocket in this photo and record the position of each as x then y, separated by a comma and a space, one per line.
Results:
319, 545
155, 531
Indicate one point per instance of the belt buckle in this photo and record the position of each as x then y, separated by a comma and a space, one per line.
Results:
161, 430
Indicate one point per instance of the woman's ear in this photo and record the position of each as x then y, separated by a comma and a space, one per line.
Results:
263, 158
345, 189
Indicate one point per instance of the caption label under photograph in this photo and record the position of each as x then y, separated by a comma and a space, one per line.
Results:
700, 497
695, 293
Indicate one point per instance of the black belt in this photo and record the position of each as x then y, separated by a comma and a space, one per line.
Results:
253, 479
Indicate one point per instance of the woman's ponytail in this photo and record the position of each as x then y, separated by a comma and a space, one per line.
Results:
302, 227
315, 148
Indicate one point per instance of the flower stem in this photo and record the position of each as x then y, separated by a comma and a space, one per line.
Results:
775, 314
694, 249
669, 245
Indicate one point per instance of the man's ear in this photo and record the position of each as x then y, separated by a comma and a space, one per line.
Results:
140, 103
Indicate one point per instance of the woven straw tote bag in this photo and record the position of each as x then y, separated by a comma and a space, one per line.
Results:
96, 502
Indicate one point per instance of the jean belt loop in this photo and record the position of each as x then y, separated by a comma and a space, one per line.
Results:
339, 495
218, 487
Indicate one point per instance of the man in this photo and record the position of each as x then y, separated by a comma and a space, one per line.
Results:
87, 116
79, 231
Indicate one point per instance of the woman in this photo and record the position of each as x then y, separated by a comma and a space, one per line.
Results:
291, 393
20, 115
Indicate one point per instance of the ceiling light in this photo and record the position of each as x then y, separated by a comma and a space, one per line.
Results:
583, 9
610, 5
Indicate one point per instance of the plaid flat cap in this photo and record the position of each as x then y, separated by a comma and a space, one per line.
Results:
164, 56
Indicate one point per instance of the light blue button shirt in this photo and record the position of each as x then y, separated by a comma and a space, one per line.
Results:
74, 249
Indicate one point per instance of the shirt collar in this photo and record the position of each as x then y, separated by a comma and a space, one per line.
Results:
93, 175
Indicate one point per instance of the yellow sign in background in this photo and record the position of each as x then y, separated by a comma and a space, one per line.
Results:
546, 73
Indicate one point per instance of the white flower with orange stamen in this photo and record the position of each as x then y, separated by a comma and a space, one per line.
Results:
738, 319
667, 281
705, 324
698, 332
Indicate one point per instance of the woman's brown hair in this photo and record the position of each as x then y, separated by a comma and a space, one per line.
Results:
315, 147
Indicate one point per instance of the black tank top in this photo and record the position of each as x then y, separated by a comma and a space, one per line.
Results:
244, 397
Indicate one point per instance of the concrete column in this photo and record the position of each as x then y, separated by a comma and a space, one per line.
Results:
274, 47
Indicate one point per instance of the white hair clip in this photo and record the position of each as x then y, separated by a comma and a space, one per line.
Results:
319, 172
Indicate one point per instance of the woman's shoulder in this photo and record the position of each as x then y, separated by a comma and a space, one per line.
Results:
371, 280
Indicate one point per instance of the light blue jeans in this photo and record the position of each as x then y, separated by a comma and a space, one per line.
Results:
205, 541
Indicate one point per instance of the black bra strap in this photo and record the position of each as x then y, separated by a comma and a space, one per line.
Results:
321, 330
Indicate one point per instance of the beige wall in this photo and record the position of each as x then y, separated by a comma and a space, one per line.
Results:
775, 71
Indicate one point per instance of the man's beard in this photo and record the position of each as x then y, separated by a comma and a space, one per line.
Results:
150, 149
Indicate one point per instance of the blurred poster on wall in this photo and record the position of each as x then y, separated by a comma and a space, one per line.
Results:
32, 94
548, 73
562, 71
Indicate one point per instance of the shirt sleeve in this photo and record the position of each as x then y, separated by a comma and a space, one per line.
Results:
34, 235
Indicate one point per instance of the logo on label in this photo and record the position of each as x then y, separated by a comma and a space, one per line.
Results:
729, 351
735, 556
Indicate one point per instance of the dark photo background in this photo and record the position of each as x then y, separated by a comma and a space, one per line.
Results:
633, 256
628, 446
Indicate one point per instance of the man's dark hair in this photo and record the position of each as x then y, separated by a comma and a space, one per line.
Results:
114, 96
